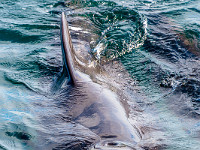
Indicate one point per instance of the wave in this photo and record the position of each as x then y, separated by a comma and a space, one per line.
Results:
19, 135
15, 36
39, 26
120, 30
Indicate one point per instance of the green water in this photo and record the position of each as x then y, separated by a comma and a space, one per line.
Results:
157, 42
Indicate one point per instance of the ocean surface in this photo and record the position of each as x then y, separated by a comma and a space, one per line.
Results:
155, 43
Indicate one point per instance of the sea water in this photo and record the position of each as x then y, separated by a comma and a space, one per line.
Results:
157, 42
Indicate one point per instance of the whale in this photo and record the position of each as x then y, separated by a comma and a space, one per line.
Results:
95, 106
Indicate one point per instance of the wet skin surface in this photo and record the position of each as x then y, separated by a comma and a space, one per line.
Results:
97, 107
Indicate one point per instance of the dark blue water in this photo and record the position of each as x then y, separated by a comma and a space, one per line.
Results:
157, 43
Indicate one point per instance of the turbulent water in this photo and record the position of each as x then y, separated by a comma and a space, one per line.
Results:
156, 44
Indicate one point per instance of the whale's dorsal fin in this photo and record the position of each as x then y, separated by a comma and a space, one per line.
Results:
67, 50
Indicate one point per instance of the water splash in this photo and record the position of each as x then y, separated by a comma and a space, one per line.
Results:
120, 30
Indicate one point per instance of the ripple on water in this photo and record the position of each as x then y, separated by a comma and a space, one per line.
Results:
19, 135
33, 57
119, 29
18, 37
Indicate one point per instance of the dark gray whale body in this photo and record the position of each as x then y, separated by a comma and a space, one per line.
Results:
97, 107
